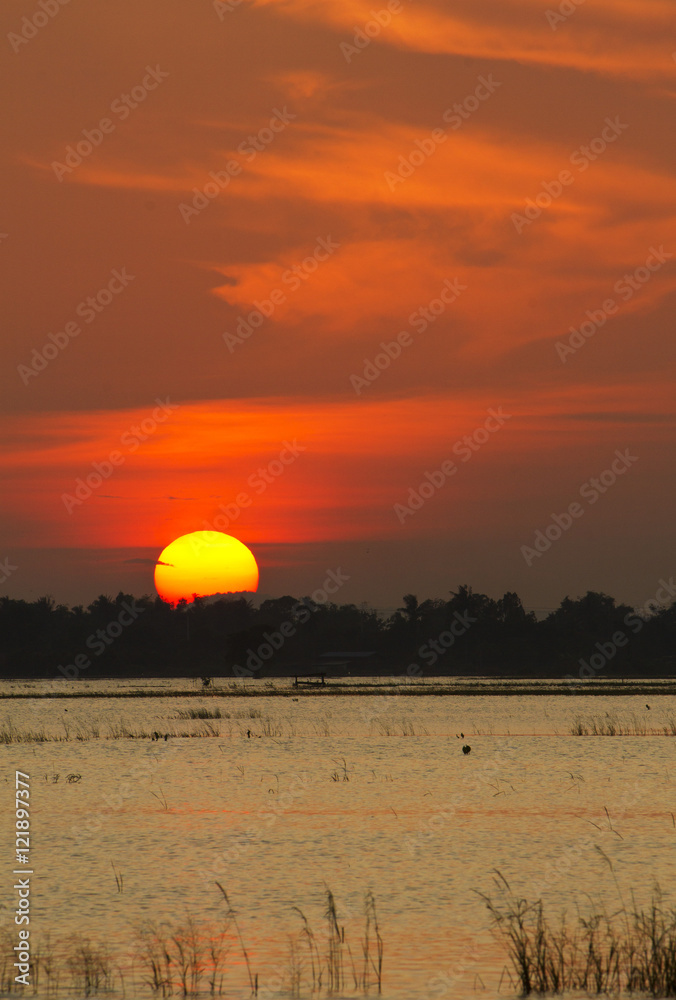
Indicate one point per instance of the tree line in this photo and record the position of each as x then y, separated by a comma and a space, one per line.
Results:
464, 634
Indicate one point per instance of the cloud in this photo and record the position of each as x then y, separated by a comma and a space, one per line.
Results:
344, 483
613, 38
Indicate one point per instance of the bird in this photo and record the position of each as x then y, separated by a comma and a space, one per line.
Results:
648, 707
460, 737
466, 749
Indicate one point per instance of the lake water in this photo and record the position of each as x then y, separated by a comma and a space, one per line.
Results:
345, 792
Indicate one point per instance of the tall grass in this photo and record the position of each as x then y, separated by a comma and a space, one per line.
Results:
201, 713
10, 734
193, 958
177, 960
372, 938
632, 950
90, 967
326, 971
405, 728
116, 731
253, 980
611, 725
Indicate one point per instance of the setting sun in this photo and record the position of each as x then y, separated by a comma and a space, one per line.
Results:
204, 563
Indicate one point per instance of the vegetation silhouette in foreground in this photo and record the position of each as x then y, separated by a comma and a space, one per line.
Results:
632, 950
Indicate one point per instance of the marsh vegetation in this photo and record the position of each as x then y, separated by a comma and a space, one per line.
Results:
631, 949
198, 958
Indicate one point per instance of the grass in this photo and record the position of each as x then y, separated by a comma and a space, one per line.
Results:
116, 731
178, 960
610, 725
201, 713
327, 972
405, 728
341, 771
192, 958
90, 968
631, 950
9, 734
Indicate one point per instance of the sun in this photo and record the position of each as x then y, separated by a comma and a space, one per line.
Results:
204, 563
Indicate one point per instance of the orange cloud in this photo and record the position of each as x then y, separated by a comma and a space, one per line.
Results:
615, 37
269, 471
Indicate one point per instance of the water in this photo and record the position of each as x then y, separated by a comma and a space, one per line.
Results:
327, 791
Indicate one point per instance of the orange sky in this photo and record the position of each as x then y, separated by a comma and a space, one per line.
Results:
362, 172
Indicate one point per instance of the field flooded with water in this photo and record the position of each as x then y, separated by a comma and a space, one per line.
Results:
352, 837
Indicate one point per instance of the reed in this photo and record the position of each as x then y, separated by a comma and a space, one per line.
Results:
253, 980
161, 798
10, 734
190, 958
632, 950
335, 945
153, 949
7, 970
90, 967
610, 725
218, 948
341, 773
372, 937
316, 967
206, 729
121, 731
119, 878
271, 728
405, 728
200, 713
46, 968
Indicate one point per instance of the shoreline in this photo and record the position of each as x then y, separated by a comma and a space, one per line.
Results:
336, 689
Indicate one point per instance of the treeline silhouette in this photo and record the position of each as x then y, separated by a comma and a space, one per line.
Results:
468, 633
